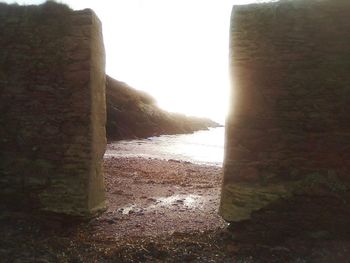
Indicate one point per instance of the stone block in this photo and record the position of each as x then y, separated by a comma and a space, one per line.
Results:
286, 130
52, 108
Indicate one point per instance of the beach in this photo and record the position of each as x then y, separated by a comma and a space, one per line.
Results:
152, 197
166, 211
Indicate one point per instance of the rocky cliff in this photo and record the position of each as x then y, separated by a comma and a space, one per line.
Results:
134, 114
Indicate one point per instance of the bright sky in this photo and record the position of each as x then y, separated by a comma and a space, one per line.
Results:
176, 50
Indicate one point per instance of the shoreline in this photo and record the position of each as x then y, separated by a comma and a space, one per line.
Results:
149, 157
113, 140
202, 148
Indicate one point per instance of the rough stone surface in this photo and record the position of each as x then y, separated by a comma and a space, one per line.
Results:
52, 104
288, 132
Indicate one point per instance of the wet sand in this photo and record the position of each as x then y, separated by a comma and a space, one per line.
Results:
151, 197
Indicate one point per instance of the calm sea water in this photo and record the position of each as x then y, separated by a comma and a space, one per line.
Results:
202, 147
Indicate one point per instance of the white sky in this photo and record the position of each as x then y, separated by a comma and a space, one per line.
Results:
177, 50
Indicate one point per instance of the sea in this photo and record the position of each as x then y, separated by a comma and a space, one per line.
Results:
201, 147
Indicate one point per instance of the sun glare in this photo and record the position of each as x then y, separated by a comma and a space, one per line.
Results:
176, 50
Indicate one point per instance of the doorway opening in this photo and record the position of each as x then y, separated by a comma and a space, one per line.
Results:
170, 182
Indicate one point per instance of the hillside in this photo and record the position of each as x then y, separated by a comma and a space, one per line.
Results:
134, 114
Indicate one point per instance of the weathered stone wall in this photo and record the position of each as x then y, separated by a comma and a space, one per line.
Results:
52, 104
288, 132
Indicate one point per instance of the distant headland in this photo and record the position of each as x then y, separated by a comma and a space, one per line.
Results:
133, 113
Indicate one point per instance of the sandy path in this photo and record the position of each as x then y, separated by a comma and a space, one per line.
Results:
151, 197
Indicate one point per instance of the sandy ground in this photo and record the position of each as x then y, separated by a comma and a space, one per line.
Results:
166, 211
150, 197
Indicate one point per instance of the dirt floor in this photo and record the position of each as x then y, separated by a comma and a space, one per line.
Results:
166, 211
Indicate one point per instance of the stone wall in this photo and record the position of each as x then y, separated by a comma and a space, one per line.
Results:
52, 104
288, 132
